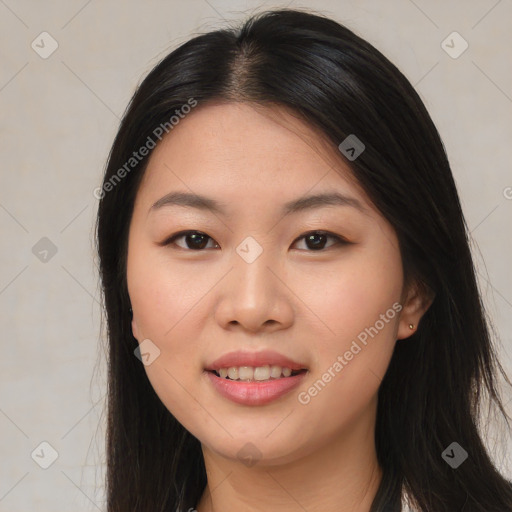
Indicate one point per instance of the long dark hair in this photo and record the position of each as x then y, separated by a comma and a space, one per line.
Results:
431, 394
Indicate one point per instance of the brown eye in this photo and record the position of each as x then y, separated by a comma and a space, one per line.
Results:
316, 240
194, 240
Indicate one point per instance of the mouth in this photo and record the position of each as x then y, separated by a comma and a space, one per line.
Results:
254, 378
262, 365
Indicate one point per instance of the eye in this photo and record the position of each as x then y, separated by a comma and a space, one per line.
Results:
316, 240
197, 240
194, 240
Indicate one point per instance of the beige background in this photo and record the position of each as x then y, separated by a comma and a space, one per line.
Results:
58, 119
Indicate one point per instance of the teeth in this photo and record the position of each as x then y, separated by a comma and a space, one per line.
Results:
275, 371
245, 373
259, 373
262, 373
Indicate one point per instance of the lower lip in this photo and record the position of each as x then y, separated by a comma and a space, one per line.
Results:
255, 392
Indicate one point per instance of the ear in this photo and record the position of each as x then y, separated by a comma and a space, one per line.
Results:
419, 298
135, 328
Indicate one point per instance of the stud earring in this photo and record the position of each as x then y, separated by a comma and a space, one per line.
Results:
411, 326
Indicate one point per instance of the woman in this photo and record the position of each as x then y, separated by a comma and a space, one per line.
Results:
293, 317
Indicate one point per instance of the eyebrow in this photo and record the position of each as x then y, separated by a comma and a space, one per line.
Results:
311, 202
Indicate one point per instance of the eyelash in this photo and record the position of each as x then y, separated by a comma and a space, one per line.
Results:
339, 240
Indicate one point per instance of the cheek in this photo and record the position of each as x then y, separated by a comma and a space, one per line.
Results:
166, 302
162, 292
359, 309
354, 295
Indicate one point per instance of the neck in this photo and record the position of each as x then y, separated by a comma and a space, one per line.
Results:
341, 475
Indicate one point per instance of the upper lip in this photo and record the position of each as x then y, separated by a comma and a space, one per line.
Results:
254, 359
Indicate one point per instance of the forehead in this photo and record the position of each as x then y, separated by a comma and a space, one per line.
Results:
239, 151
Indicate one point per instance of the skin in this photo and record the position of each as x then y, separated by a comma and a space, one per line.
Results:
304, 303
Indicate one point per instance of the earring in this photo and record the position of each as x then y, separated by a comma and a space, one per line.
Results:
411, 326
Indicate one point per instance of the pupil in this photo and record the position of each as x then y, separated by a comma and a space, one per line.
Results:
195, 237
315, 244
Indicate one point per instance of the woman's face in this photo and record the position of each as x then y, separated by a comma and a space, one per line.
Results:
262, 285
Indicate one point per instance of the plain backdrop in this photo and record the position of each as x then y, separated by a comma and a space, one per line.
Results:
59, 114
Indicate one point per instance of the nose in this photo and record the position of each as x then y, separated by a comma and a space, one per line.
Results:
254, 297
